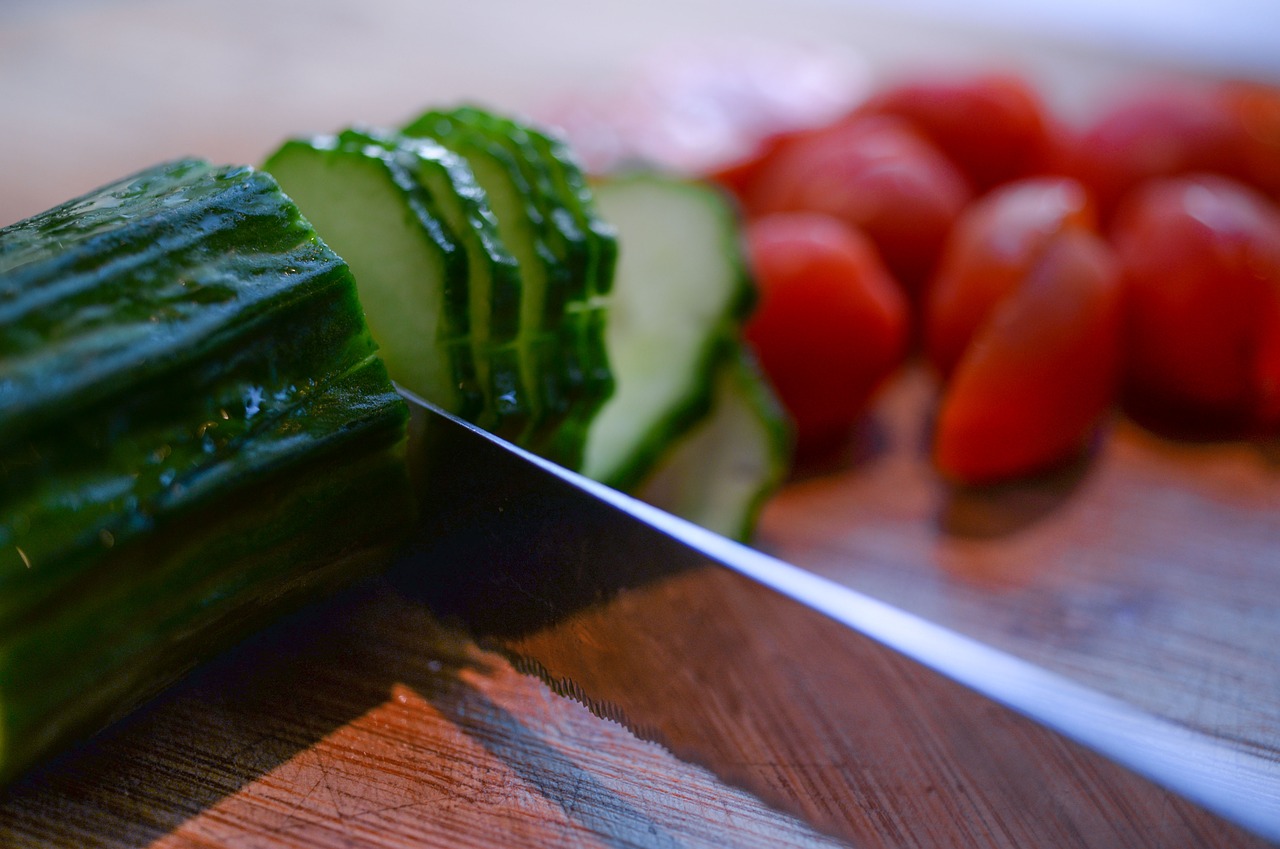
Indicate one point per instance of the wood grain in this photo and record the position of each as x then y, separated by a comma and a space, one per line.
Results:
862, 742
1151, 570
366, 723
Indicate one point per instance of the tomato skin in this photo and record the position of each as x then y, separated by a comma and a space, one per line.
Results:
830, 325
1040, 375
993, 245
1201, 258
1160, 132
876, 174
1255, 107
1266, 415
994, 127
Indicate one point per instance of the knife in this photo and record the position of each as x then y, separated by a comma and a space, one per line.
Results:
872, 724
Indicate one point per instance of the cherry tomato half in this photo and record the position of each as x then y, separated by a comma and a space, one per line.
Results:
1042, 371
991, 249
830, 325
1201, 257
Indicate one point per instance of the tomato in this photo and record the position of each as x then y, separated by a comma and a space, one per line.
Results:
876, 174
1041, 373
1266, 414
1156, 133
1256, 109
1201, 257
992, 247
831, 324
994, 127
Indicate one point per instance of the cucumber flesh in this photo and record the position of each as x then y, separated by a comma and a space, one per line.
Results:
411, 269
494, 276
722, 470
680, 288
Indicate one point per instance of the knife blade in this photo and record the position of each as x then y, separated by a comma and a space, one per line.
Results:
870, 723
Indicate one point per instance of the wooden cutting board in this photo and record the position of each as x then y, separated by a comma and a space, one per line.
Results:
1151, 571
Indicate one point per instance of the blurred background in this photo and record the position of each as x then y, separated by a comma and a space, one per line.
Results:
93, 90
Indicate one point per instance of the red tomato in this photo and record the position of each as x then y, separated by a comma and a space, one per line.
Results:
1201, 257
995, 127
1041, 373
1157, 133
1266, 418
994, 244
831, 324
1256, 109
876, 174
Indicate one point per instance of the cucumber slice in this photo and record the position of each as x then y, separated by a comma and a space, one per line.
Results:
412, 271
569, 251
195, 434
722, 470
519, 211
571, 183
552, 212
680, 289
591, 350
447, 205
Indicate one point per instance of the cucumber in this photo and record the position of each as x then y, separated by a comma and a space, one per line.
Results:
720, 472
553, 213
412, 269
532, 318
590, 351
454, 202
519, 209
680, 289
563, 349
196, 433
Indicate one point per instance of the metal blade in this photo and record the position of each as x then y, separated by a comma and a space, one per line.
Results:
870, 723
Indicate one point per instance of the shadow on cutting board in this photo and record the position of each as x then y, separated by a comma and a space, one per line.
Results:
234, 721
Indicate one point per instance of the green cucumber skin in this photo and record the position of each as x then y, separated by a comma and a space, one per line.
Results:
133, 509
59, 314
519, 212
584, 248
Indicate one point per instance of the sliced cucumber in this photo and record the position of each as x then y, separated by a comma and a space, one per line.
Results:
519, 209
584, 245
195, 433
449, 204
680, 289
571, 183
554, 213
556, 255
722, 470
412, 271
539, 262
496, 277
